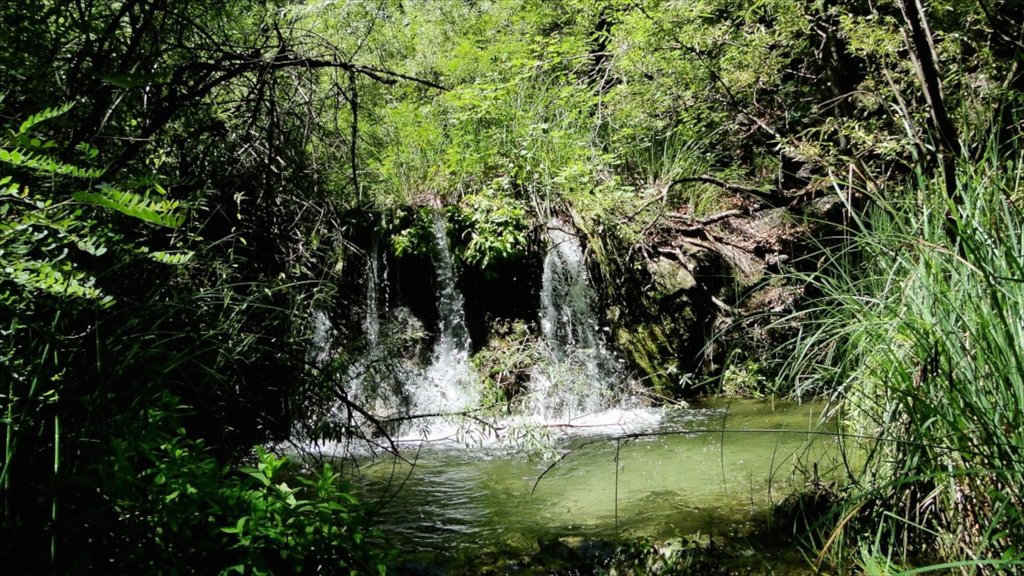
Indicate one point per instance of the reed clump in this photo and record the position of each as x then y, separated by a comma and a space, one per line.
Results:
920, 332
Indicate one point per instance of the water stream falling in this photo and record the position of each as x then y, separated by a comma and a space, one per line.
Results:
422, 403
374, 381
567, 320
320, 348
448, 385
577, 388
580, 379
371, 318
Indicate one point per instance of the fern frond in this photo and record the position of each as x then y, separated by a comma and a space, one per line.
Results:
35, 275
26, 159
155, 211
90, 245
43, 116
175, 258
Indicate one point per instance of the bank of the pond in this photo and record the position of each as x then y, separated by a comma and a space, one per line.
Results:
699, 483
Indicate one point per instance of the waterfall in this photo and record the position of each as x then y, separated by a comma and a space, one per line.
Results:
567, 321
578, 386
382, 381
320, 347
448, 385
581, 374
453, 334
373, 380
371, 319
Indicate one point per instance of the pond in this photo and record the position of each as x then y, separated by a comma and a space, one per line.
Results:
711, 469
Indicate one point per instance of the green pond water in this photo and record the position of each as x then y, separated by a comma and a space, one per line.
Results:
709, 469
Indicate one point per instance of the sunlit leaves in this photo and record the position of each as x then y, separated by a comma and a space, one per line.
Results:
172, 258
45, 238
157, 211
494, 228
58, 279
47, 114
35, 161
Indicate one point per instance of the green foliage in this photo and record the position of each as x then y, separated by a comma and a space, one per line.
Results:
169, 230
45, 236
411, 231
140, 206
411, 168
744, 379
149, 242
505, 363
307, 529
183, 509
49, 246
492, 228
919, 329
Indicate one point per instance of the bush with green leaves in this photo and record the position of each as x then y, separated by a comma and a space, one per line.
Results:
62, 236
492, 228
48, 235
315, 527
182, 512
505, 364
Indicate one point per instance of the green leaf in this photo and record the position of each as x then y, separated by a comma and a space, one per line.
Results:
155, 211
29, 159
257, 474
175, 258
238, 528
43, 116
62, 282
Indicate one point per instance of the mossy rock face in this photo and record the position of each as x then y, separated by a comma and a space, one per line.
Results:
654, 348
670, 276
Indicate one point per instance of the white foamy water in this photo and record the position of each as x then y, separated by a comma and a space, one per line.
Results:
448, 386
581, 377
578, 389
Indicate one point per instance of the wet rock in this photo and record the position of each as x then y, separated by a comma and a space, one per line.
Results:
571, 555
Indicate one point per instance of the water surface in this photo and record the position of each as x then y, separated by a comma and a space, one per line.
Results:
708, 469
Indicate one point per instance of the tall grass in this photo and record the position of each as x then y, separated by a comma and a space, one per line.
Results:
920, 330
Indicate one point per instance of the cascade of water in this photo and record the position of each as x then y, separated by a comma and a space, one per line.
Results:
454, 336
359, 383
321, 348
577, 386
567, 321
319, 352
370, 379
371, 320
579, 379
448, 384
